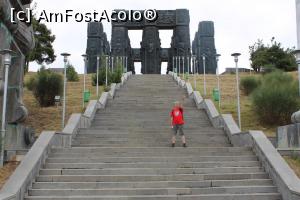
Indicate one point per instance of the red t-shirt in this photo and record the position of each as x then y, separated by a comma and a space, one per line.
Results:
177, 115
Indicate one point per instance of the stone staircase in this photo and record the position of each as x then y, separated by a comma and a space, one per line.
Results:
126, 154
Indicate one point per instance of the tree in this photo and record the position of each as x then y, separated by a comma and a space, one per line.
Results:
72, 75
271, 56
43, 51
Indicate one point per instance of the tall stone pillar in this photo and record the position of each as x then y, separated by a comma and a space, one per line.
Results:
150, 51
204, 44
120, 45
181, 41
97, 45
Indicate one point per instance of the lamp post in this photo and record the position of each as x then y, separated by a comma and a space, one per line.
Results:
84, 76
189, 68
109, 63
97, 85
106, 66
236, 60
204, 74
179, 65
194, 71
218, 78
297, 55
183, 68
7, 56
173, 63
126, 64
112, 64
176, 58
65, 56
123, 64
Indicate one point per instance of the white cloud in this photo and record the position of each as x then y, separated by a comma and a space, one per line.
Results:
238, 24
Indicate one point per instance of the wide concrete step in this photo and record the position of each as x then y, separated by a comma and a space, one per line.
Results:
152, 184
151, 165
145, 126
152, 132
257, 196
157, 136
156, 150
146, 143
149, 171
88, 138
153, 191
146, 154
153, 159
165, 129
138, 177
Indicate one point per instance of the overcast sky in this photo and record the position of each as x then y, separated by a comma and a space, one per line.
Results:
238, 24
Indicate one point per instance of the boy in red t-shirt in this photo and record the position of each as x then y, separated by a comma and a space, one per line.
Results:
177, 122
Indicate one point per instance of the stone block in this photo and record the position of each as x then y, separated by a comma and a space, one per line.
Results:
212, 113
288, 136
103, 100
189, 89
198, 99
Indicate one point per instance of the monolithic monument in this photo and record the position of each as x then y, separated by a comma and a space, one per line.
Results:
97, 44
19, 38
151, 54
204, 45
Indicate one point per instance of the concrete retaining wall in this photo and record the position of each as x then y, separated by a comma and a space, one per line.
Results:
17, 185
284, 177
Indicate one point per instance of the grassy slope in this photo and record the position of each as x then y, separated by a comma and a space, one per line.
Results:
228, 105
228, 101
50, 118
294, 164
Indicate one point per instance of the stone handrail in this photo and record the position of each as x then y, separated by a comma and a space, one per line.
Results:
19, 182
283, 176
16, 187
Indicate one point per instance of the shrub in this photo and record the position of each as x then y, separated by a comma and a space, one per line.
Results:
72, 75
249, 84
116, 75
102, 77
45, 86
112, 77
276, 99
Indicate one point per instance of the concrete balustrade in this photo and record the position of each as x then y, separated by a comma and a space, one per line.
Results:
103, 100
22, 178
283, 176
17, 185
198, 99
112, 91
189, 90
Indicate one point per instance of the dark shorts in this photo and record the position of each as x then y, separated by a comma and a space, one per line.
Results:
178, 128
